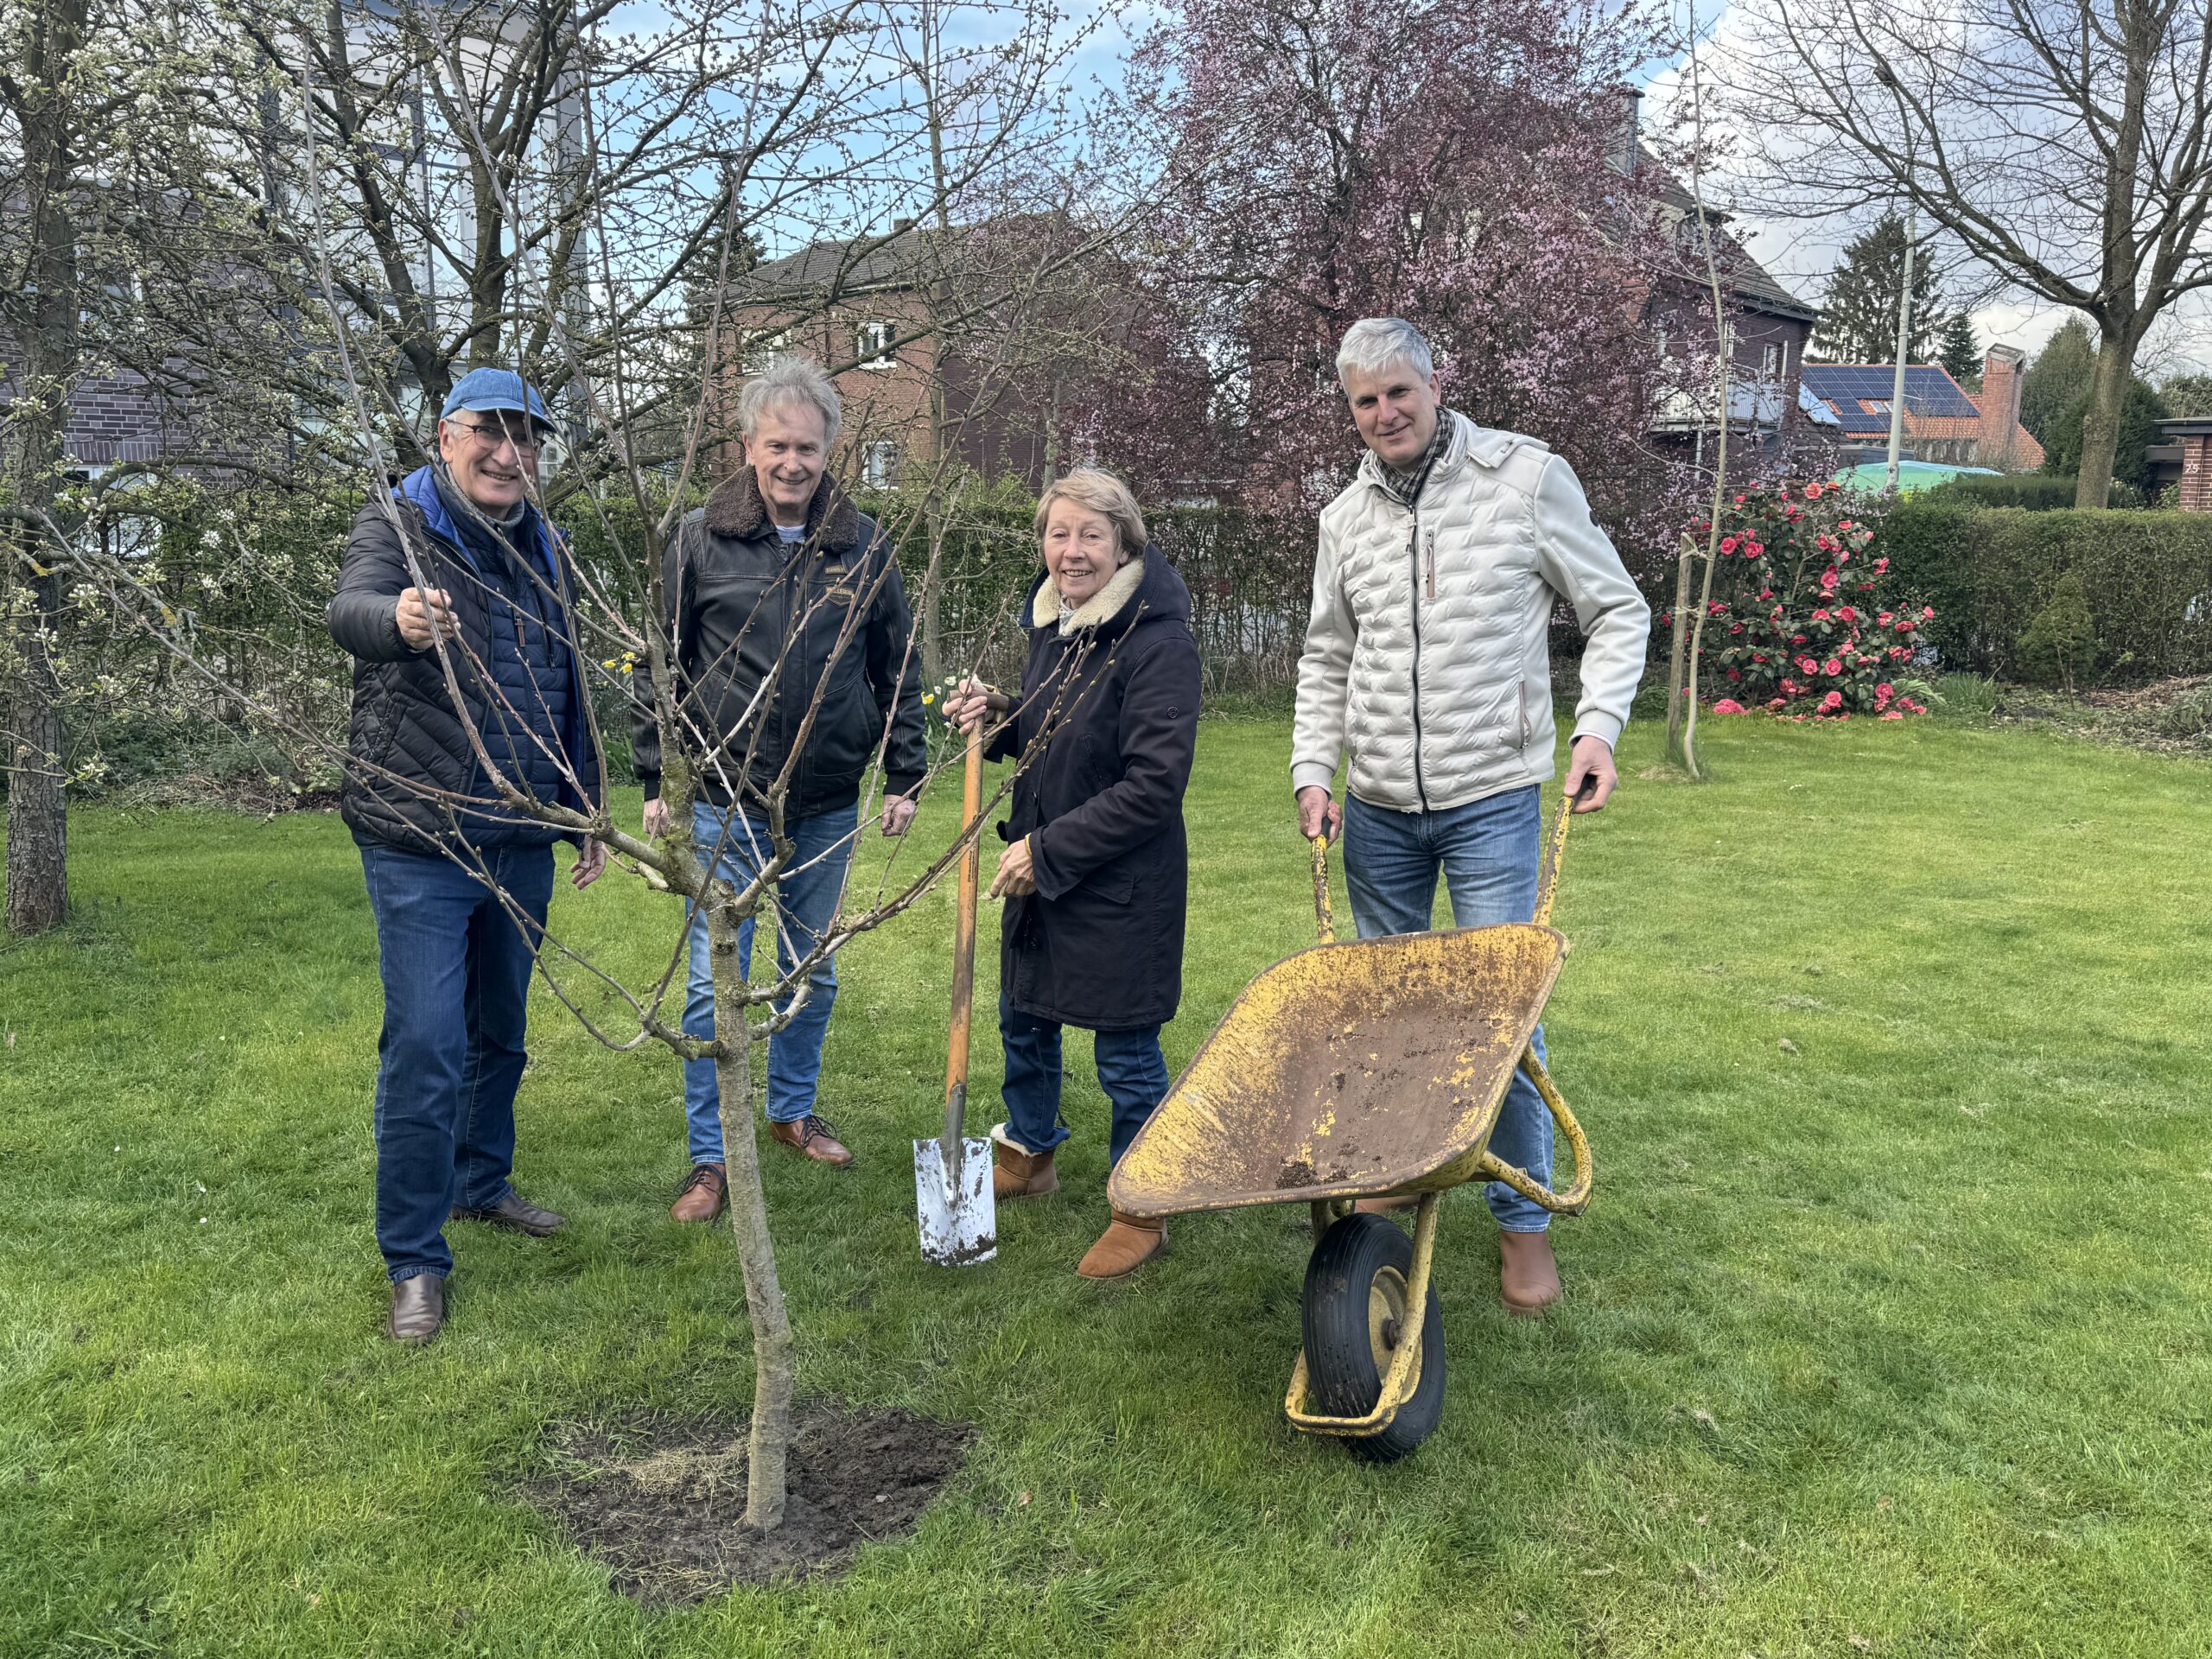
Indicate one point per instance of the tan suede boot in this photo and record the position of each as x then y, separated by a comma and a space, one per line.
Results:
1125, 1243
1527, 1277
1018, 1172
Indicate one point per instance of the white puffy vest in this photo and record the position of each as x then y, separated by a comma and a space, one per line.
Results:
1426, 654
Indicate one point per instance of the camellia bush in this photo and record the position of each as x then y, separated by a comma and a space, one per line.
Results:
1806, 632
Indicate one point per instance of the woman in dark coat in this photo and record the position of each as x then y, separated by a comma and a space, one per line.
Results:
1095, 869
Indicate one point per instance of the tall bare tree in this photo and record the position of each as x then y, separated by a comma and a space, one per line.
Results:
2065, 144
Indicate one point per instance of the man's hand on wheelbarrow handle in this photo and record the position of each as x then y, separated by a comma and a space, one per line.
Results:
1315, 809
1590, 775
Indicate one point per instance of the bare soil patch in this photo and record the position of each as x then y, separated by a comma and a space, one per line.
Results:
661, 1498
2172, 716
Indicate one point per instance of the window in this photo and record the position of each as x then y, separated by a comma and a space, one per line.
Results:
765, 345
1875, 405
879, 465
1774, 360
872, 343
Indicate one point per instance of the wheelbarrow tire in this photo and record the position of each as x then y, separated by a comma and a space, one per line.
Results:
1341, 1368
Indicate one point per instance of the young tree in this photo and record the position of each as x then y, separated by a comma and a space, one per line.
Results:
1959, 351
2138, 429
2063, 145
1858, 319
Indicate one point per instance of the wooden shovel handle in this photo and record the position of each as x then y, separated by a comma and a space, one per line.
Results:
964, 941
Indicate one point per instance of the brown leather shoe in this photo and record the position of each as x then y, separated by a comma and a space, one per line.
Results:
1018, 1172
810, 1135
1125, 1243
418, 1310
1387, 1206
516, 1212
1527, 1277
700, 1197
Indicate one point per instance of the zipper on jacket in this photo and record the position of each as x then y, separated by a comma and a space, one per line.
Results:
1413, 550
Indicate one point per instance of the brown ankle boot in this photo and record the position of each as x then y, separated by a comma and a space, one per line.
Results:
1018, 1172
1126, 1242
1385, 1206
1527, 1277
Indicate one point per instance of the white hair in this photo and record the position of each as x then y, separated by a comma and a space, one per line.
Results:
1375, 343
790, 379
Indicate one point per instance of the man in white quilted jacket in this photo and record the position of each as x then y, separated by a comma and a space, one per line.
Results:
1427, 659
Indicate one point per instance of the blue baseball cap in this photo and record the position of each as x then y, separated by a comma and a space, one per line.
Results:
494, 389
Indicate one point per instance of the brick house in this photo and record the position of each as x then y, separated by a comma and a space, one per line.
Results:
2186, 460
1768, 326
924, 381
1943, 422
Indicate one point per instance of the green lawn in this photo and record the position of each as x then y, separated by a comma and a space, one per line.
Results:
1887, 1331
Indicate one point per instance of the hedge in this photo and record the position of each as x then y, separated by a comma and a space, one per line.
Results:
2146, 576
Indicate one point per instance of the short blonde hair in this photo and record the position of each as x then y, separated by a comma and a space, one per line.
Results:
1104, 494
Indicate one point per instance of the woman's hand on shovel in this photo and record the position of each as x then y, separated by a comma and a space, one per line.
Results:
1017, 877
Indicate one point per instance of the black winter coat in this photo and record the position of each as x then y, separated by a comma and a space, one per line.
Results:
412, 744
737, 592
1106, 725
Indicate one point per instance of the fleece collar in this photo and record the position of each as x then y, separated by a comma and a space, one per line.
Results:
735, 509
1101, 607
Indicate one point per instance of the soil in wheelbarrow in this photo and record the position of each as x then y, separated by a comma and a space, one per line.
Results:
660, 1499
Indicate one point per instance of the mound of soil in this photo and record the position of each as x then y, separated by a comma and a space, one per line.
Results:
661, 1498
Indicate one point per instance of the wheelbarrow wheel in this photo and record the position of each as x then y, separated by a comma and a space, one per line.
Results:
1355, 1316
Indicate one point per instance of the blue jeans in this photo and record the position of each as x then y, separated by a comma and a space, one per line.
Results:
457, 993
1131, 1069
1489, 851
807, 896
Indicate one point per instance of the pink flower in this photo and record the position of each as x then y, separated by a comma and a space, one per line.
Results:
1828, 579
1892, 714
1847, 614
1735, 673
1833, 667
1820, 616
1735, 627
1812, 492
1727, 706
1729, 544
1833, 699
1886, 618
1808, 666
1777, 703
1926, 610
1881, 566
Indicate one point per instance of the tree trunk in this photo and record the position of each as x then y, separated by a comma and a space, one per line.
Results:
769, 1447
2101, 425
1677, 654
38, 825
932, 606
38, 809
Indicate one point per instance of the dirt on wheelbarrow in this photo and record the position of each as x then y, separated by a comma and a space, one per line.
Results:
660, 1499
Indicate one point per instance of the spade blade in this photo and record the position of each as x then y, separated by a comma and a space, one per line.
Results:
959, 1217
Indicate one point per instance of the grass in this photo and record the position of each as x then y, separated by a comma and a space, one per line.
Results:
1886, 1332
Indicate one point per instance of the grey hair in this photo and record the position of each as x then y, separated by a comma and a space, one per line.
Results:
790, 379
1375, 343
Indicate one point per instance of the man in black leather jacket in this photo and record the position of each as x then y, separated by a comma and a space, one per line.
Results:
784, 601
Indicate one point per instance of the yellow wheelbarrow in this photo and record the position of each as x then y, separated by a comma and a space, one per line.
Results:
1373, 1068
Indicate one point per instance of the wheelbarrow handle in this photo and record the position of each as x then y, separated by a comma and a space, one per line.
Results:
1576, 1198
1554, 849
1325, 920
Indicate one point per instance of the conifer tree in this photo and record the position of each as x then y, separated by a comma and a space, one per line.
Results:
1859, 323
1959, 352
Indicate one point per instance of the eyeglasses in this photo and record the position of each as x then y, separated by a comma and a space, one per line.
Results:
491, 437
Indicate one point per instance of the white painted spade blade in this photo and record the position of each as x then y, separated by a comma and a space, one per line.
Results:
959, 1229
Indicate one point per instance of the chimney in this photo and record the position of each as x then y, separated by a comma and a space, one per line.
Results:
2000, 405
898, 225
1621, 153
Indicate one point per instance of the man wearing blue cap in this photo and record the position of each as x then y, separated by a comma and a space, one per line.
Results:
459, 874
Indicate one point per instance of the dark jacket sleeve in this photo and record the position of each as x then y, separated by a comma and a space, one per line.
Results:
645, 708
364, 614
895, 674
1159, 735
